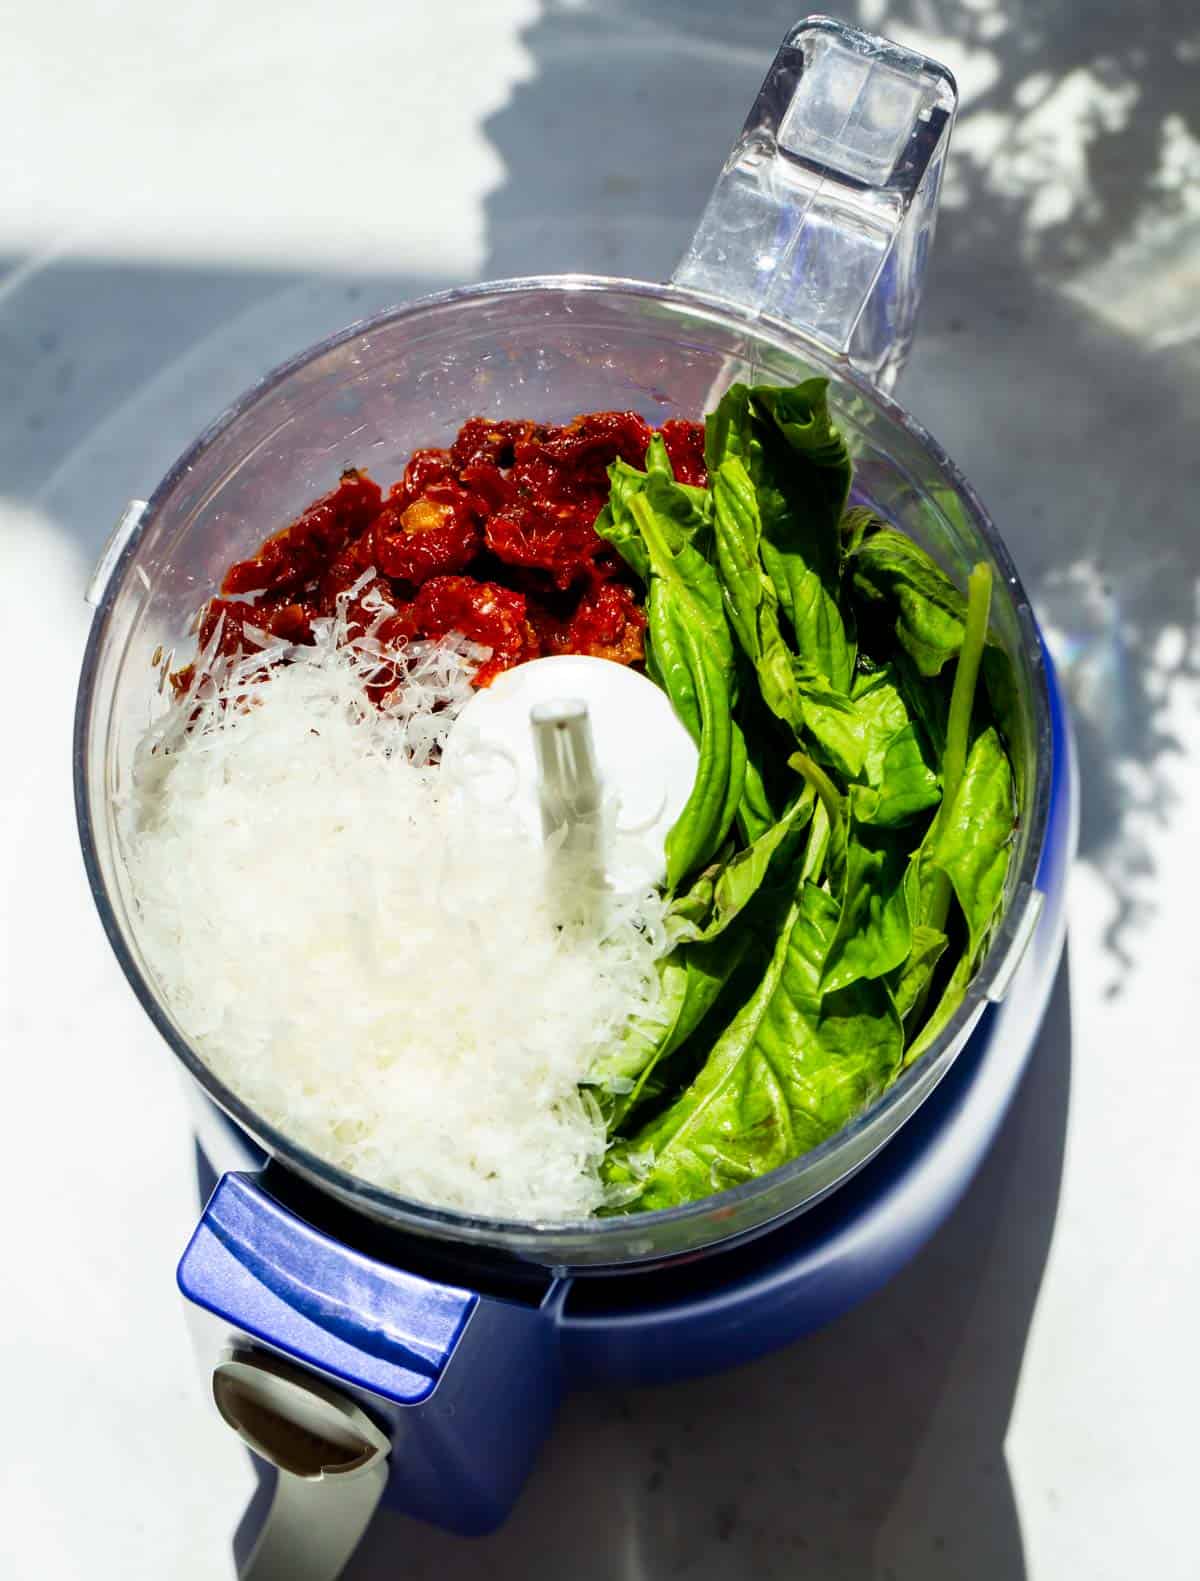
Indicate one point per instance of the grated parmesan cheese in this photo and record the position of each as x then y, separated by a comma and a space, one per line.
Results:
361, 950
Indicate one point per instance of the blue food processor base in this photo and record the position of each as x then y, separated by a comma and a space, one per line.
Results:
465, 1378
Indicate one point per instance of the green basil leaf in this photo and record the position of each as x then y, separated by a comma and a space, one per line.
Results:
694, 662
799, 466
691, 979
729, 430
928, 701
1001, 686
827, 838
721, 893
894, 760
952, 996
688, 510
973, 835
874, 934
811, 473
888, 567
854, 526
791, 1069
910, 982
755, 814
751, 599
700, 500
790, 687
616, 524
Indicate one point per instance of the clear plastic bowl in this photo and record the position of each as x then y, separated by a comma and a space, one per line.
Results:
545, 348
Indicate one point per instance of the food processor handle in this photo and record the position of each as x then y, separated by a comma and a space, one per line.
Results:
824, 211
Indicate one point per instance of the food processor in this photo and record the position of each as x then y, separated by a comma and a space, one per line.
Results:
370, 1346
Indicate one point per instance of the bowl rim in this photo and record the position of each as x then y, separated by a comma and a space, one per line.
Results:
534, 1240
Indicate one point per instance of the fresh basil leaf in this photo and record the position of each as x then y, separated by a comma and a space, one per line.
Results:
688, 510
973, 835
751, 598
919, 884
729, 430
658, 461
1000, 684
690, 979
802, 551
755, 814
883, 712
691, 911
790, 687
928, 701
799, 466
866, 870
910, 981
855, 524
874, 934
616, 524
888, 568
895, 766
830, 719
721, 893
970, 843
694, 662
952, 996
791, 1068
827, 839
800, 413
817, 848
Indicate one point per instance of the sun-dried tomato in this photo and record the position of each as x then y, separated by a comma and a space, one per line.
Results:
606, 624
489, 487
289, 620
240, 629
558, 540
559, 481
588, 445
684, 443
342, 572
436, 534
483, 612
514, 503
371, 599
482, 439
296, 556
425, 466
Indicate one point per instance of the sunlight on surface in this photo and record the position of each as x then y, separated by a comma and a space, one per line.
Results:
215, 132
85, 1060
1098, 176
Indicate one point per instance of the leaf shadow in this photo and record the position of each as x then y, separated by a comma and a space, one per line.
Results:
1051, 360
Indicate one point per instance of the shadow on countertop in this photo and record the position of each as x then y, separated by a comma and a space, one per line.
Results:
872, 1449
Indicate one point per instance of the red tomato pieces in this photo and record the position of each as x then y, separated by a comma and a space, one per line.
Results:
684, 444
492, 537
607, 624
298, 554
483, 612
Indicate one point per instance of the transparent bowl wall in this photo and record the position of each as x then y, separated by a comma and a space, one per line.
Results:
546, 349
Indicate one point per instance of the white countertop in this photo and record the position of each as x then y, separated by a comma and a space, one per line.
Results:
190, 193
